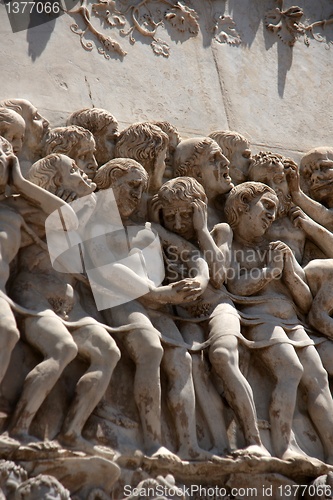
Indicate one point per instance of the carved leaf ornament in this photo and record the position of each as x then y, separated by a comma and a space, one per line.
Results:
147, 16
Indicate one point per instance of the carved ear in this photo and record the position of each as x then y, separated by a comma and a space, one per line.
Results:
57, 179
198, 174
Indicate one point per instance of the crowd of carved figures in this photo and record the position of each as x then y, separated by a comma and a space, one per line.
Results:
247, 249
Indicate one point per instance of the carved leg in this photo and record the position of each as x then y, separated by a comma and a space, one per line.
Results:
49, 336
95, 345
319, 399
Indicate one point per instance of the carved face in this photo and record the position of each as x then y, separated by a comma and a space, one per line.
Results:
239, 163
128, 191
73, 178
260, 214
37, 127
179, 219
106, 143
321, 179
15, 134
214, 171
84, 157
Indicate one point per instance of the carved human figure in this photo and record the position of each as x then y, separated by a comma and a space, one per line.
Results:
12, 128
12, 228
236, 148
128, 180
52, 294
104, 127
202, 159
180, 206
42, 486
148, 145
316, 177
75, 142
36, 128
289, 226
267, 272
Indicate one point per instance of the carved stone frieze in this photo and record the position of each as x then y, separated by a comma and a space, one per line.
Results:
146, 18
290, 25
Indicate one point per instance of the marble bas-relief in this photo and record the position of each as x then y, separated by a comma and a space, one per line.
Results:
209, 357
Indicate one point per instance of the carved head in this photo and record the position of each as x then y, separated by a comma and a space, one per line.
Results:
174, 139
143, 142
253, 205
128, 179
11, 476
77, 143
236, 148
58, 170
36, 127
174, 204
6, 151
12, 128
202, 159
104, 128
42, 486
269, 168
316, 170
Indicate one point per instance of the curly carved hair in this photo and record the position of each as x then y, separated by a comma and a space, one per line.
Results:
189, 166
107, 174
7, 467
46, 173
93, 119
240, 198
35, 485
6, 146
229, 141
178, 189
7, 118
261, 163
142, 142
66, 140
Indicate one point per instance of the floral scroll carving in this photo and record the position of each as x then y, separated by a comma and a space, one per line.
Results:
288, 25
144, 19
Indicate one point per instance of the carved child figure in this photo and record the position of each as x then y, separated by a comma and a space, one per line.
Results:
53, 295
266, 272
202, 159
236, 148
147, 144
75, 142
128, 180
180, 206
12, 227
104, 127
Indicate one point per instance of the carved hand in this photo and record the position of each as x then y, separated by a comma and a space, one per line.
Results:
199, 215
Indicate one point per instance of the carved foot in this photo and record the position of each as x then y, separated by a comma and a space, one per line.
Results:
78, 443
253, 450
197, 455
164, 455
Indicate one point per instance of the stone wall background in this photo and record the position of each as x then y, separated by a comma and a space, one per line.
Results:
278, 96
